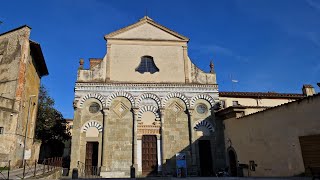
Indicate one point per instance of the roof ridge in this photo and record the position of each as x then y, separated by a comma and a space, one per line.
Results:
288, 103
20, 27
146, 19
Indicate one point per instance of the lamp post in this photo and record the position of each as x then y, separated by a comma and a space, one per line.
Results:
26, 131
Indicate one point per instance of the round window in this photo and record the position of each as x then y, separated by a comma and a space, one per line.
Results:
202, 108
94, 108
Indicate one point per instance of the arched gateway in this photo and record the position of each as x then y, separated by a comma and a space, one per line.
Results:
139, 113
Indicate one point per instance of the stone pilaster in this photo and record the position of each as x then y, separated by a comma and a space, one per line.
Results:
108, 63
192, 139
134, 133
186, 68
75, 141
104, 158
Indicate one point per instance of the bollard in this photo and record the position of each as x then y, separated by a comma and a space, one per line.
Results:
75, 173
132, 172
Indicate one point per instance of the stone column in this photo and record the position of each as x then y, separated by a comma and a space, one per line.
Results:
159, 154
161, 136
192, 139
134, 138
104, 157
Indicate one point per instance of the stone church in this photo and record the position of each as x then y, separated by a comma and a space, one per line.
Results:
144, 103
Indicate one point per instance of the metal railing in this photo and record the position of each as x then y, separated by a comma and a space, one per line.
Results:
86, 171
31, 168
5, 170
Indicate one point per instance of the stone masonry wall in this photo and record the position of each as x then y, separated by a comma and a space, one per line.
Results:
119, 133
175, 133
17, 75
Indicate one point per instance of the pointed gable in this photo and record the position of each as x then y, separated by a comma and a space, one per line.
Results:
146, 29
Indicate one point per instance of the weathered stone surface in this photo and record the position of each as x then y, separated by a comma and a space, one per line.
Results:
19, 80
143, 104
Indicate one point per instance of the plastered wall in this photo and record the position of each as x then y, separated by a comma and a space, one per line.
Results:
271, 138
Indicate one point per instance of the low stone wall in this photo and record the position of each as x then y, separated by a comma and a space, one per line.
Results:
56, 174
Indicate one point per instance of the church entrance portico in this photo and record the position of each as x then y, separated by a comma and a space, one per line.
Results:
148, 142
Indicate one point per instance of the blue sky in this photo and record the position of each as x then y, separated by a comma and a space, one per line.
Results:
267, 45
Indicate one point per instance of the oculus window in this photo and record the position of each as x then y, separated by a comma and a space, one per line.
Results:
94, 108
202, 108
147, 65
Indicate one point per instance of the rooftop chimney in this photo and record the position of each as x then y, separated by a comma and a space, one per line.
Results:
308, 90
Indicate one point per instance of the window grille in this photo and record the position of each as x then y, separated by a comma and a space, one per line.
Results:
1, 130
147, 65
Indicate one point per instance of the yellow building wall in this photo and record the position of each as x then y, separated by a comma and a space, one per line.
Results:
271, 138
255, 102
124, 59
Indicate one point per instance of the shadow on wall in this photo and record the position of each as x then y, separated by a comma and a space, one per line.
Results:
207, 159
51, 149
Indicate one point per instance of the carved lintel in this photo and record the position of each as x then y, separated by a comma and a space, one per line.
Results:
149, 131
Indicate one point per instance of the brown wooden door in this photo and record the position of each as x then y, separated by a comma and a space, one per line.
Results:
149, 155
89, 153
310, 149
91, 157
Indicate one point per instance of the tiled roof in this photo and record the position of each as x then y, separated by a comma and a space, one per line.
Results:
285, 104
307, 86
261, 95
41, 63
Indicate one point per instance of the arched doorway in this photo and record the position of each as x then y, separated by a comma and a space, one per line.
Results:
232, 162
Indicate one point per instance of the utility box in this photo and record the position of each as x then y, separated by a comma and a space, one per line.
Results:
181, 165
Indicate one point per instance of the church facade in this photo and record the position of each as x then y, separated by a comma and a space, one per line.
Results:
143, 104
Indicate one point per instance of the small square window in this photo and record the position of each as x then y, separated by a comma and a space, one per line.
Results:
235, 103
1, 130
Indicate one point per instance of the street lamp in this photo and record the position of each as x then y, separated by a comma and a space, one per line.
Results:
26, 131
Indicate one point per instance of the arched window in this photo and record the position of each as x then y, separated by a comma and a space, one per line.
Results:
147, 65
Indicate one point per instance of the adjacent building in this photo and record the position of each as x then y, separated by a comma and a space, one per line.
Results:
22, 65
279, 141
251, 102
142, 104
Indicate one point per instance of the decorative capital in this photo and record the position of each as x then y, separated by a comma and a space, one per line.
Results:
191, 110
105, 111
162, 111
135, 110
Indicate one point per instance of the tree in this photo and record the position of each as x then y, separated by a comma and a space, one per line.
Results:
51, 127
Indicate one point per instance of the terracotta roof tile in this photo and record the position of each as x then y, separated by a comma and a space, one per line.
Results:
285, 104
307, 86
261, 95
